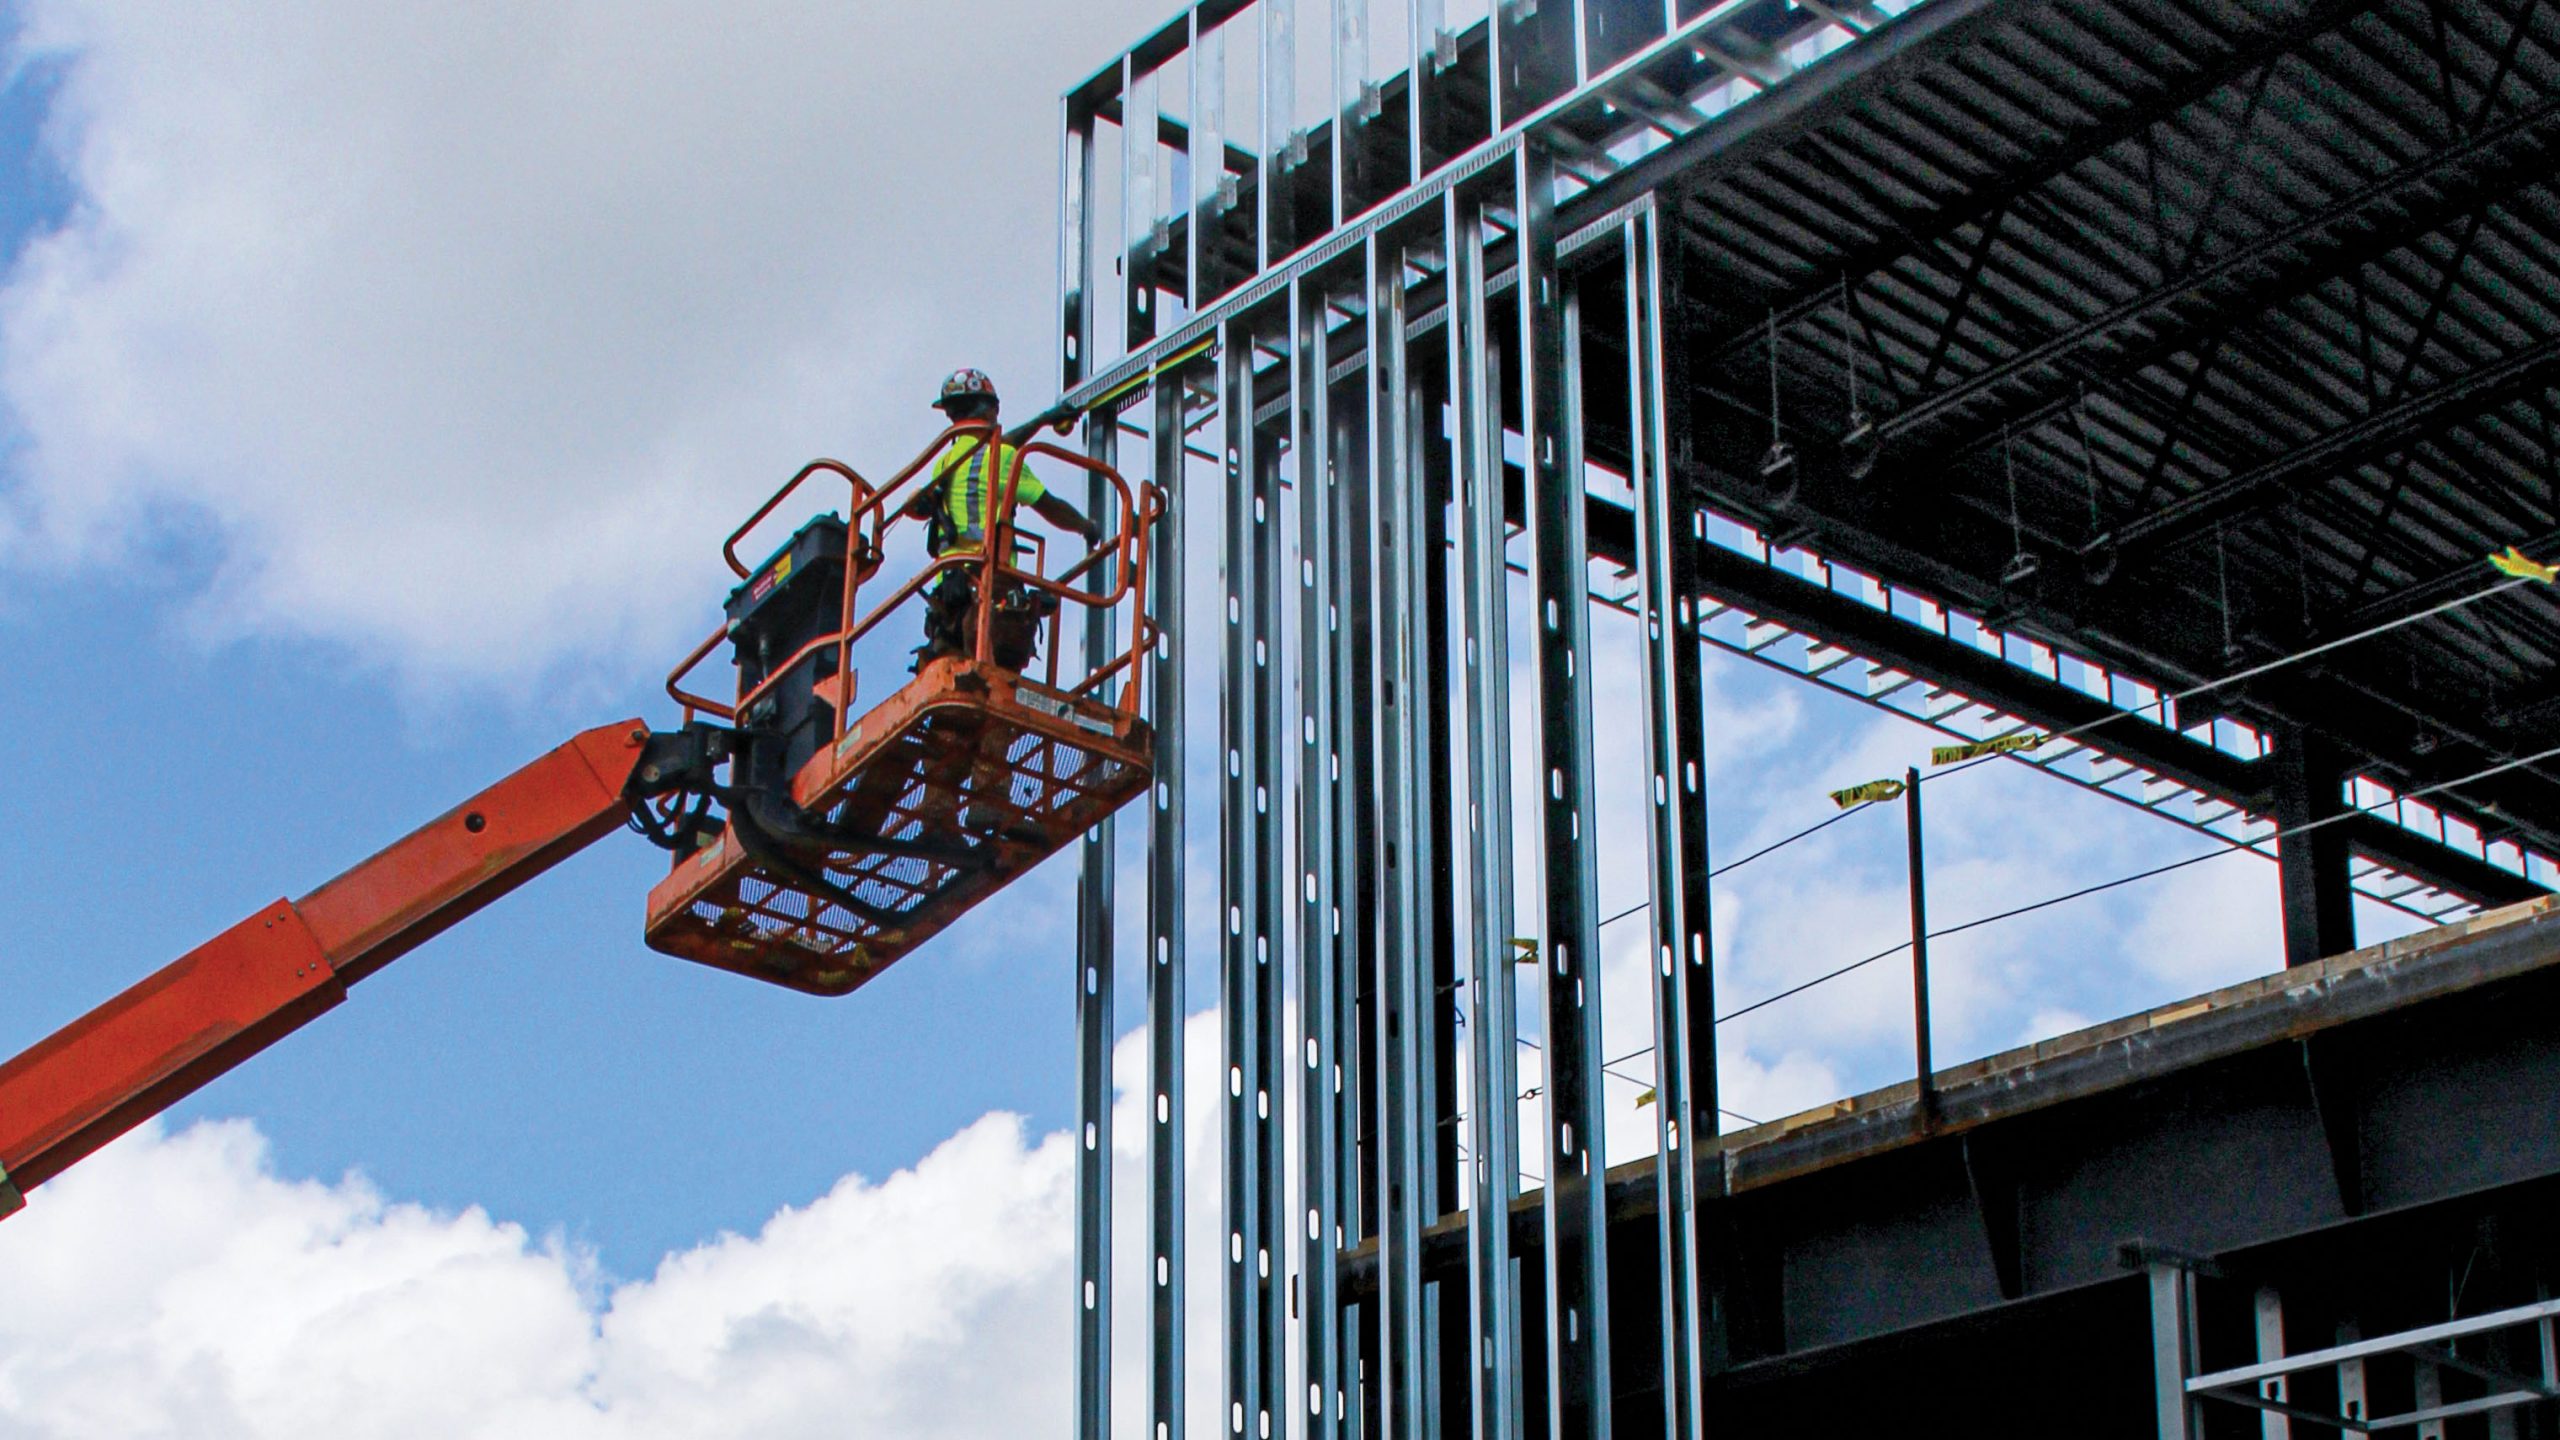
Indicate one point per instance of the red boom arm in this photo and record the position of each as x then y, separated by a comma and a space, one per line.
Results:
248, 987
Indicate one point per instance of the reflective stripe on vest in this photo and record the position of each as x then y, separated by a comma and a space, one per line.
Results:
963, 475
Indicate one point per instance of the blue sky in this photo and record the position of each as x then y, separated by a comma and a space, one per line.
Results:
377, 389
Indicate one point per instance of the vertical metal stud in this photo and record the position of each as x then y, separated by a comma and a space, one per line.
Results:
1075, 246
1675, 766
1403, 953
1277, 235
1493, 1099
1208, 156
2172, 1350
1575, 1211
1357, 883
1264, 698
1238, 889
1166, 884
2270, 1316
1319, 816
1139, 202
1350, 98
1095, 1031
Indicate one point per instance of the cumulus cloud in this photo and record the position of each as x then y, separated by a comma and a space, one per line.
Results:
176, 1284
455, 338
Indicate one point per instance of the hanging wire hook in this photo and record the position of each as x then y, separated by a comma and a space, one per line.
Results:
2098, 559
1859, 442
2022, 563
1781, 456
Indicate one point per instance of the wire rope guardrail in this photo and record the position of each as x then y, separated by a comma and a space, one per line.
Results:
2084, 891
1842, 669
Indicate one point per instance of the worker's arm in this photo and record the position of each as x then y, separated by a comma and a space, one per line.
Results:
1066, 517
257, 982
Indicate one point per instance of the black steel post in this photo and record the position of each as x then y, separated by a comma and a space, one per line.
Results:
1926, 1070
2312, 869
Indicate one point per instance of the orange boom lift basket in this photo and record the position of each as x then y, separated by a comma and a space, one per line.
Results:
846, 842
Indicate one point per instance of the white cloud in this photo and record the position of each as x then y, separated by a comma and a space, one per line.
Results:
175, 1284
458, 339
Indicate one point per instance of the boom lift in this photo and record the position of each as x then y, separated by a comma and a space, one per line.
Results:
809, 850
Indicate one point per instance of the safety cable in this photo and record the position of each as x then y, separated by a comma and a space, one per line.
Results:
2229, 847
1731, 866
1610, 1068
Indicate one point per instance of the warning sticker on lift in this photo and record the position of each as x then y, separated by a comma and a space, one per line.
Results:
1032, 699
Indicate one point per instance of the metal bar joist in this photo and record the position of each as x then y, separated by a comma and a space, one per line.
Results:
1485, 668
1095, 1032
1575, 1215
1403, 955
1675, 763
1166, 882
1319, 776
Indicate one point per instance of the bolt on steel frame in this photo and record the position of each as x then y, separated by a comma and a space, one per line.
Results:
1375, 462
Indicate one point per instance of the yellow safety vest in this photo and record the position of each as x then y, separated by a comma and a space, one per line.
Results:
968, 485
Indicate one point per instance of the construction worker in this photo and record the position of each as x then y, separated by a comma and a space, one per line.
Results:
968, 482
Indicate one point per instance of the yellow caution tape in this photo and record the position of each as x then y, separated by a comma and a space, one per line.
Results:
2513, 562
1976, 749
1873, 790
1528, 948
1644, 1099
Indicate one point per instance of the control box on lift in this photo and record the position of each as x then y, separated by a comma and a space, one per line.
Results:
795, 597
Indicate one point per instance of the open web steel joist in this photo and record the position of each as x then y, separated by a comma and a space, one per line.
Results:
2016, 365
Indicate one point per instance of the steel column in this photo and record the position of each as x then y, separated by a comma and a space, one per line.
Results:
2312, 870
1493, 1094
1575, 1212
1404, 923
1095, 1031
1675, 762
1319, 833
1165, 944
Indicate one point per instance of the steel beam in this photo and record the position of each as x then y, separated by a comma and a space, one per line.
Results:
1575, 1209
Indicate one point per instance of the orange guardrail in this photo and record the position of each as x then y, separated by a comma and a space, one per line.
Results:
1127, 547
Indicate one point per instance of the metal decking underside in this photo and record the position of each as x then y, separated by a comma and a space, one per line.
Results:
2251, 304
